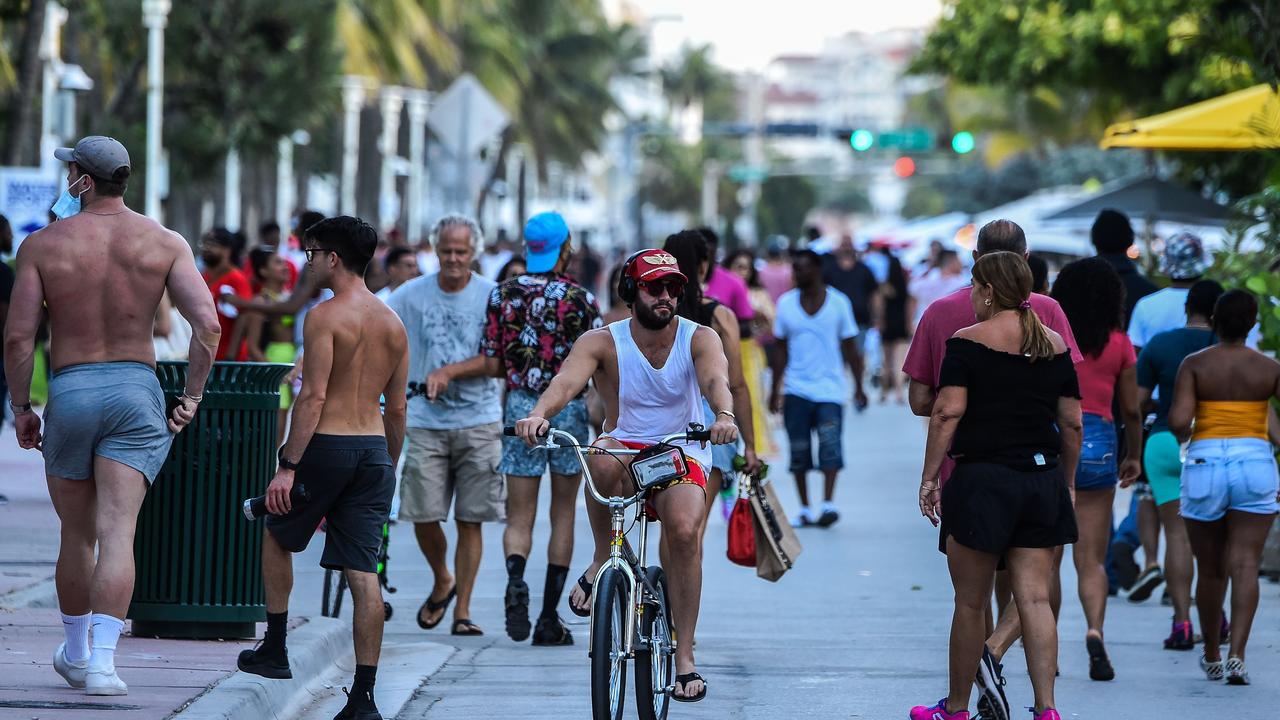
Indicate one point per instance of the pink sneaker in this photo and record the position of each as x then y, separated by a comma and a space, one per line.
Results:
937, 712
1048, 714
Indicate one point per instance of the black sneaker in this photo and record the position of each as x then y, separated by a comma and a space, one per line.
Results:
552, 632
517, 606
359, 707
990, 682
269, 662
1146, 584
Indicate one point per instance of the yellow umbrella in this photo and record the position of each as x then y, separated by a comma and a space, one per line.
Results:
1243, 120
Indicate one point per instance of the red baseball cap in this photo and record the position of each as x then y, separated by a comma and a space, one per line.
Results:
655, 264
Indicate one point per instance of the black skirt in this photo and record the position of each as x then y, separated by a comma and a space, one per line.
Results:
990, 508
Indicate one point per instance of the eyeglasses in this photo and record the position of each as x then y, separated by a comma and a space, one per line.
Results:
673, 288
311, 252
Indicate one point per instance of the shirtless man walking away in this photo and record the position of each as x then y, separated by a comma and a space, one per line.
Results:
343, 449
651, 373
100, 271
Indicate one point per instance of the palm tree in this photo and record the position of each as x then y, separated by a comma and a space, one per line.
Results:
22, 102
402, 41
550, 63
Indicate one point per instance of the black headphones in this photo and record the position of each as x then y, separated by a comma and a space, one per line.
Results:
627, 290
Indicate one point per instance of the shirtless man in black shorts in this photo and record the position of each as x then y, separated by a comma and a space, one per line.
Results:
343, 448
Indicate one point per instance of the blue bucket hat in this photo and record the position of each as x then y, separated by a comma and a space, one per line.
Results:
1184, 257
544, 234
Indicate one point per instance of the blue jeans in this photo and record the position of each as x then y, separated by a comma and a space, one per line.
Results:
802, 418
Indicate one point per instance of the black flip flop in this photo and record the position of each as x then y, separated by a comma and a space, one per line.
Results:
587, 588
466, 623
685, 679
436, 606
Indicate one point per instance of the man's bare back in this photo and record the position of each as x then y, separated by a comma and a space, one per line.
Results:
366, 346
102, 277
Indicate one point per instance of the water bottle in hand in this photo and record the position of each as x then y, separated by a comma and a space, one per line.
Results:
255, 508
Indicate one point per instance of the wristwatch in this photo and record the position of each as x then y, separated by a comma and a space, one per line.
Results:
284, 463
19, 409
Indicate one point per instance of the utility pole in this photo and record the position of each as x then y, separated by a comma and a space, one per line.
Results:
155, 16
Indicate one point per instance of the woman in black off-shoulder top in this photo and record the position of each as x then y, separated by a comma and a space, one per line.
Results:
1008, 410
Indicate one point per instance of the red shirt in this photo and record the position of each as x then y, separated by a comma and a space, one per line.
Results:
954, 312
232, 282
1098, 374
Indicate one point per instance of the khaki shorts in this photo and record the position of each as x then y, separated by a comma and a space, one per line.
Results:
443, 464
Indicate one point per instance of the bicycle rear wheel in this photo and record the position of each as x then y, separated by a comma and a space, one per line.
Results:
335, 585
655, 655
608, 646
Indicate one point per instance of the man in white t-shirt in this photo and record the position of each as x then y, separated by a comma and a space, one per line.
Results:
1184, 263
814, 326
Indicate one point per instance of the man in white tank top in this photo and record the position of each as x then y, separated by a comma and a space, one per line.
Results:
652, 370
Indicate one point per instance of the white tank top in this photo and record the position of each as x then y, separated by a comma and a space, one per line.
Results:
654, 403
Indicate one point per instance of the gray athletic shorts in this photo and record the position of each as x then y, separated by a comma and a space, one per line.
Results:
113, 410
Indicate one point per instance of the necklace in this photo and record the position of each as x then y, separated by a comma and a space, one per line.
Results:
102, 214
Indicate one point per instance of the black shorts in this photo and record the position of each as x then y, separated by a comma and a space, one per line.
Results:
990, 508
350, 480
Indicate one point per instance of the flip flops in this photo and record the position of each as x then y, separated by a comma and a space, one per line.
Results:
587, 588
685, 679
432, 606
464, 626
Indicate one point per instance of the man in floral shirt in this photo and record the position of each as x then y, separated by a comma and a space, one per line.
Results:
531, 324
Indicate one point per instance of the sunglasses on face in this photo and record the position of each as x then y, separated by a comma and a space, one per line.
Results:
311, 253
673, 288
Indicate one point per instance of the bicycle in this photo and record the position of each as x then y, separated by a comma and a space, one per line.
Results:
630, 615
335, 581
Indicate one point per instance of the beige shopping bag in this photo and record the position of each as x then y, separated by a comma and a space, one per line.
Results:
777, 546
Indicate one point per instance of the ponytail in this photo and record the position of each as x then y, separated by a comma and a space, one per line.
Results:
1036, 343
1010, 280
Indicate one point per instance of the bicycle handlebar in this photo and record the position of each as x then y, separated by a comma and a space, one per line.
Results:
569, 441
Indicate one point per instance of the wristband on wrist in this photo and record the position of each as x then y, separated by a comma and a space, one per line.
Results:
729, 414
284, 463
193, 398
19, 409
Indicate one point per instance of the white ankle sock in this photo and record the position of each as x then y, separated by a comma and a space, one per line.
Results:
77, 629
106, 632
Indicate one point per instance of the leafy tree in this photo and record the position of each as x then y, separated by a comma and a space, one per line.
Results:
784, 202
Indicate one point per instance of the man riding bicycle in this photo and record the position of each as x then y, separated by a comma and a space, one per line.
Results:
651, 373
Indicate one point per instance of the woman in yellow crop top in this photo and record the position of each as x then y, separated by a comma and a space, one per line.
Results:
1229, 482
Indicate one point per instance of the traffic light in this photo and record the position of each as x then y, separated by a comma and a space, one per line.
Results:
904, 167
963, 142
862, 140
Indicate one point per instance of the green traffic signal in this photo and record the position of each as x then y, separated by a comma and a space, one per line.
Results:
862, 140
963, 142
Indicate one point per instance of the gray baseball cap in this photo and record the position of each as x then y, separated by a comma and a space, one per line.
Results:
98, 155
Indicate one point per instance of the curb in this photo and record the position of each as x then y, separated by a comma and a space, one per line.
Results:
313, 649
41, 594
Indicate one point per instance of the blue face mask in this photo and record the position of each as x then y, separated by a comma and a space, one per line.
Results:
67, 204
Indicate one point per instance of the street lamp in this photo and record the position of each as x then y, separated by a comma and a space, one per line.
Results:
51, 56
155, 16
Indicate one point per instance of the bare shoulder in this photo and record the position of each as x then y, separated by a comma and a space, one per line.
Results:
595, 342
973, 332
1059, 345
706, 337
724, 315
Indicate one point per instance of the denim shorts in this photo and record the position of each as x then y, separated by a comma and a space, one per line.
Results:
521, 460
802, 417
1231, 474
1097, 469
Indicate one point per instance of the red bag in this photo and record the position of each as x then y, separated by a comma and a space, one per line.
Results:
742, 534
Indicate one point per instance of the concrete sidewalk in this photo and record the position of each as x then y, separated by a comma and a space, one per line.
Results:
164, 676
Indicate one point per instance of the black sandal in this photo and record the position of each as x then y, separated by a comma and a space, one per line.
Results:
587, 588
473, 630
685, 679
436, 606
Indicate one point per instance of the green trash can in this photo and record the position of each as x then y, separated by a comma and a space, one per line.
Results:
199, 562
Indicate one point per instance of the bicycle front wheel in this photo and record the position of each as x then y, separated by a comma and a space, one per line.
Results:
335, 585
655, 656
608, 645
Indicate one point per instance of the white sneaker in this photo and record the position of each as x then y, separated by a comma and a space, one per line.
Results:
104, 681
72, 672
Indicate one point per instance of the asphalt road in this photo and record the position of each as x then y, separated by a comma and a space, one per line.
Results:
857, 630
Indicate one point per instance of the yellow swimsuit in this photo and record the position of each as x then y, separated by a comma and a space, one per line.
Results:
1227, 419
